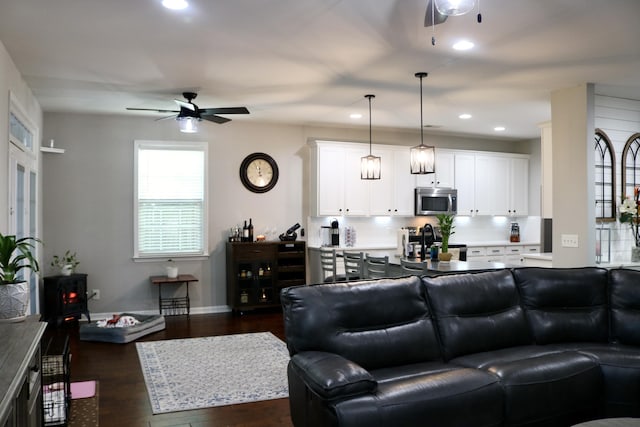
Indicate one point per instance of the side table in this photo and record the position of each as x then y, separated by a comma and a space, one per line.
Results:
174, 306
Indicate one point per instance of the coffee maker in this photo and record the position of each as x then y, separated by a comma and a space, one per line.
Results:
335, 233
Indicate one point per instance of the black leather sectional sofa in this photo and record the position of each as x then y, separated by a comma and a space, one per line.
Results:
521, 347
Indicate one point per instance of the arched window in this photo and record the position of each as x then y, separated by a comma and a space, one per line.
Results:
631, 165
605, 178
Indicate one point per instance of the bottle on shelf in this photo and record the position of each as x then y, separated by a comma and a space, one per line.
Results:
245, 232
250, 230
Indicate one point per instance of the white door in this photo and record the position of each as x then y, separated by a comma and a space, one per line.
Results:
330, 186
23, 179
465, 183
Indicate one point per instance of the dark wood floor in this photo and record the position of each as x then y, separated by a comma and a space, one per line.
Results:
123, 396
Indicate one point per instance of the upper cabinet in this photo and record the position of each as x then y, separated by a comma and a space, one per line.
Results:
336, 187
492, 184
393, 193
487, 183
444, 176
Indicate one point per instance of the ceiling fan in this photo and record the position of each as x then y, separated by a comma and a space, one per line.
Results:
439, 10
189, 114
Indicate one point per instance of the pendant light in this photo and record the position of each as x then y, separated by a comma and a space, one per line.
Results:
423, 157
370, 165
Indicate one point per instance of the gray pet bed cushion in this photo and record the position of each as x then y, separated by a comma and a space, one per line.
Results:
148, 325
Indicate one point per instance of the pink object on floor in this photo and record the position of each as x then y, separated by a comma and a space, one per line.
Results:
83, 389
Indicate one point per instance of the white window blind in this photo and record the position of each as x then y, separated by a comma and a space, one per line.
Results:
171, 207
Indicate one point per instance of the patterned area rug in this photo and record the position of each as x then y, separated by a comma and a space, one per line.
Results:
205, 372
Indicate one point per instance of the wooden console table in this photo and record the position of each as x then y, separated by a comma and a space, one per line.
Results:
174, 306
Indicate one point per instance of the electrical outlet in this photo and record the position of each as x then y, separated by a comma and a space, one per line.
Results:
95, 294
569, 240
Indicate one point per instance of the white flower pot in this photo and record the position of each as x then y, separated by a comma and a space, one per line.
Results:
14, 300
67, 270
172, 271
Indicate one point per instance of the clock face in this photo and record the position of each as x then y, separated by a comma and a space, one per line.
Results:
259, 172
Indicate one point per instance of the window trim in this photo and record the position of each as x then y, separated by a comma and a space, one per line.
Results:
605, 141
635, 138
171, 145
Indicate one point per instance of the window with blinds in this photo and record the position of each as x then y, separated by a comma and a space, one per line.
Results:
170, 199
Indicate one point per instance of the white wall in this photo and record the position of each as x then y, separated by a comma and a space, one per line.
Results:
88, 195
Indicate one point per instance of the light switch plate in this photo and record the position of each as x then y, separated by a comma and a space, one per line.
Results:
569, 240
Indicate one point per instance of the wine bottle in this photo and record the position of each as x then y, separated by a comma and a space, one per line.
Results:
245, 232
250, 230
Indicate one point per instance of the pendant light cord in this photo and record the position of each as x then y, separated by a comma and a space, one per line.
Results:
421, 75
369, 97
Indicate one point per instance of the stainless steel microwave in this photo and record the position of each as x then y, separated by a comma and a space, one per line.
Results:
434, 201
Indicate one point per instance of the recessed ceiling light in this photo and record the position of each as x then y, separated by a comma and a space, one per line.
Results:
465, 116
499, 128
175, 4
356, 116
463, 45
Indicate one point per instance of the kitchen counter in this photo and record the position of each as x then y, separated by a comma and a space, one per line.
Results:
440, 267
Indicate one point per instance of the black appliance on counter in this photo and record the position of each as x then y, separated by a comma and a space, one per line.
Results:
428, 235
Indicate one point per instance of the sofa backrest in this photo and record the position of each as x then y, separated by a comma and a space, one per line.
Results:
564, 304
624, 299
376, 324
477, 312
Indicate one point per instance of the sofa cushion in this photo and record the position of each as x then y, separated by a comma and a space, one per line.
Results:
620, 365
624, 291
375, 324
477, 312
564, 304
551, 389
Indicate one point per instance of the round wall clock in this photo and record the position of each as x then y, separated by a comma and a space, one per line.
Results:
259, 172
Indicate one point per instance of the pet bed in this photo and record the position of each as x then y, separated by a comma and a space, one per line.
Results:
148, 324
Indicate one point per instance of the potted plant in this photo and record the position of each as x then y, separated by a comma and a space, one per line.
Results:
445, 223
66, 263
15, 255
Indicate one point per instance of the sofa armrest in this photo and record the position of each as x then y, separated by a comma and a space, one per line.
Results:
331, 376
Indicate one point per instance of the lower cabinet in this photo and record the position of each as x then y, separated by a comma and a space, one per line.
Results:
20, 374
257, 272
510, 254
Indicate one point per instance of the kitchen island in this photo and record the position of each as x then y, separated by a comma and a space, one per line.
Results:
436, 268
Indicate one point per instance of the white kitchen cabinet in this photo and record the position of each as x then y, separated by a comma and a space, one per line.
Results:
393, 193
465, 183
445, 170
336, 187
518, 187
492, 184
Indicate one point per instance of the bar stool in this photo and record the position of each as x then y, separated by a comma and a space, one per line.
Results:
353, 265
328, 265
413, 267
376, 267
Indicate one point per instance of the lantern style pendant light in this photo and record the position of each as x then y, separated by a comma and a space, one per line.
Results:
423, 157
370, 165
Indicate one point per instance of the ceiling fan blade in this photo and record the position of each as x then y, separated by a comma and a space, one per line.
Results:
153, 109
173, 116
216, 119
184, 104
438, 18
224, 110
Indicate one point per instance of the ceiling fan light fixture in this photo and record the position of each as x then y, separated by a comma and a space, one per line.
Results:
175, 4
188, 124
423, 157
370, 166
454, 7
